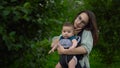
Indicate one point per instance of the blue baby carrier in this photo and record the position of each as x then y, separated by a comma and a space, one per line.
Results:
66, 43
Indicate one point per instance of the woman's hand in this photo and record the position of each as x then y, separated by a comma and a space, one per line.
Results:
60, 49
77, 30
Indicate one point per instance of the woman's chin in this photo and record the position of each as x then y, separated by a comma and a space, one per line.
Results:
76, 32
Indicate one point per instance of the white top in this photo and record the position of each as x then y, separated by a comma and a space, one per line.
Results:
87, 42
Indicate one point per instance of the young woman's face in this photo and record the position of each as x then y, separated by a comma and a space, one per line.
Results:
81, 21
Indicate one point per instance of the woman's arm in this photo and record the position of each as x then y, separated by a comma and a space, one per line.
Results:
78, 50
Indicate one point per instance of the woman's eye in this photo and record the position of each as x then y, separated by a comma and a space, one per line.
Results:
79, 18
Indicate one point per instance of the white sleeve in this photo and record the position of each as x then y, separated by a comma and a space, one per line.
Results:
87, 40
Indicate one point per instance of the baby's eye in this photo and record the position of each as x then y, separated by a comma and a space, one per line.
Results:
69, 31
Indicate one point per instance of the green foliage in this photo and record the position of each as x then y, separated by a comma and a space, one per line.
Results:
26, 26
52, 60
25, 22
96, 60
34, 57
18, 28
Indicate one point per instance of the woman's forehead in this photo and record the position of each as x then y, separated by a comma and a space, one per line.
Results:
84, 17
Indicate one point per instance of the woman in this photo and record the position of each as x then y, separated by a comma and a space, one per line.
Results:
85, 23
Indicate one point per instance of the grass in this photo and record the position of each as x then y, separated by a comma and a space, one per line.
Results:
95, 61
52, 60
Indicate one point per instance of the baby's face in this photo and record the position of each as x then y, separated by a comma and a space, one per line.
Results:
67, 31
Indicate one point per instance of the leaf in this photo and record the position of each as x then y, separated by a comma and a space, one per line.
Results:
27, 5
13, 0
6, 12
1, 7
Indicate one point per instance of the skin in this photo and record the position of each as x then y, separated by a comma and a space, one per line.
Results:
79, 23
67, 31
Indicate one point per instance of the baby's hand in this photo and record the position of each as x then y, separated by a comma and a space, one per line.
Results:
52, 45
50, 51
59, 44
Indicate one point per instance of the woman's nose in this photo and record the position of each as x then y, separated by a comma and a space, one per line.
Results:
78, 22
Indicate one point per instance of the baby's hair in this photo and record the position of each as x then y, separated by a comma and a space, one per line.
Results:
68, 24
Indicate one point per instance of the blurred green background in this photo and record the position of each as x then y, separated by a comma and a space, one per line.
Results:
27, 27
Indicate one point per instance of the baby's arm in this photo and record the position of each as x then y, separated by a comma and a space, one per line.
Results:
53, 48
55, 40
74, 41
54, 45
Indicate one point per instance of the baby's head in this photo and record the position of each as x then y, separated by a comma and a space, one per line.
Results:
67, 30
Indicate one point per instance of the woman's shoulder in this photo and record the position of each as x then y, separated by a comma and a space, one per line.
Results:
87, 35
86, 32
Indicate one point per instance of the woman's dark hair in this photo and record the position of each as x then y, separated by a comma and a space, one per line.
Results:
92, 26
